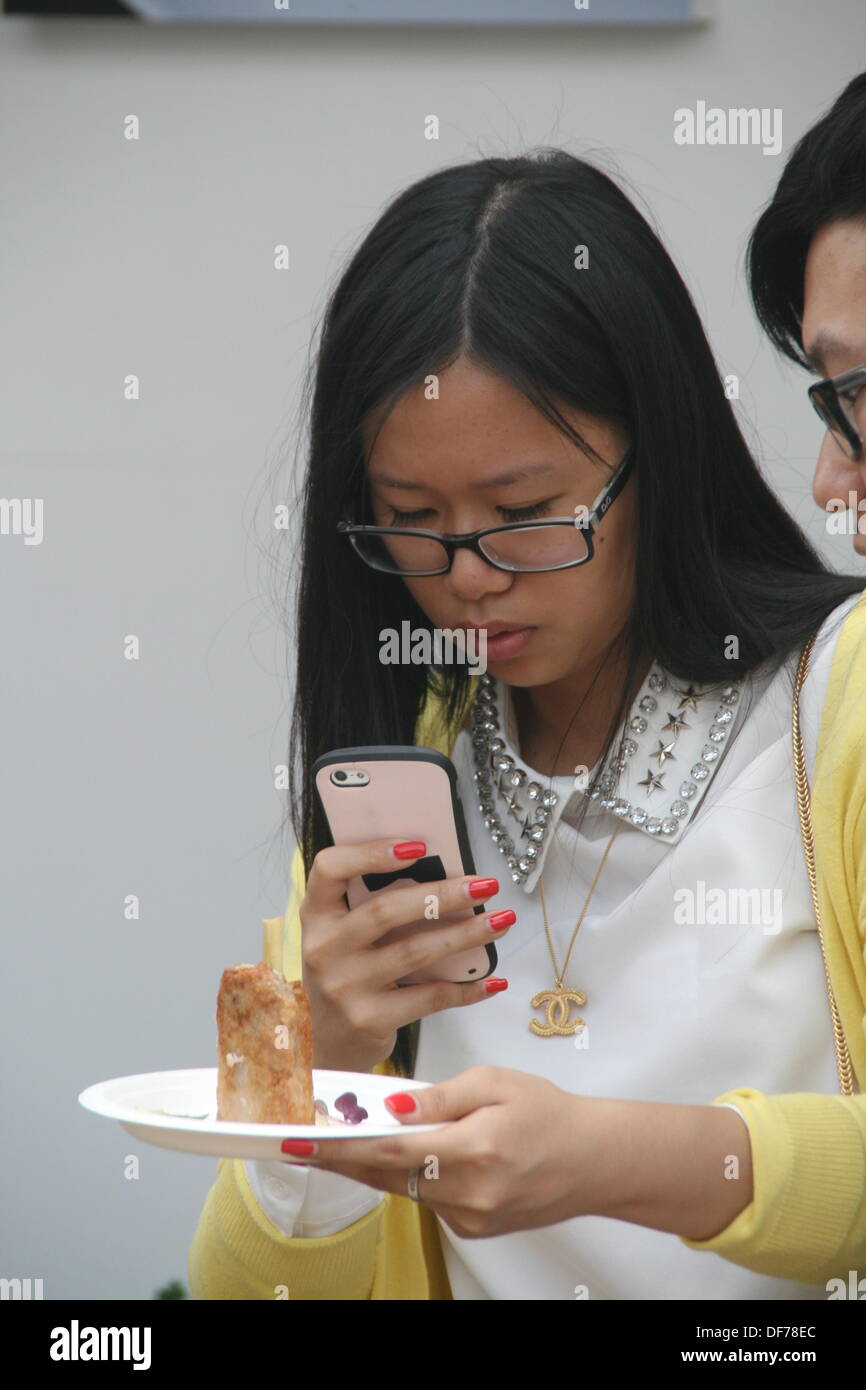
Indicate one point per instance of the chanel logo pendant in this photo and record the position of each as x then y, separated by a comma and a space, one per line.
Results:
559, 1004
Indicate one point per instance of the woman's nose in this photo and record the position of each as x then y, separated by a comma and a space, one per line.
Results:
836, 476
471, 576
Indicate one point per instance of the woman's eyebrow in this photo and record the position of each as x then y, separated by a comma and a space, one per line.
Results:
511, 475
825, 343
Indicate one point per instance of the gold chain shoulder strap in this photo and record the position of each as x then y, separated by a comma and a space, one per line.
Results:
843, 1058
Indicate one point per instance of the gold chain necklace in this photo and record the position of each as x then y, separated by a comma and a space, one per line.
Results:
559, 1000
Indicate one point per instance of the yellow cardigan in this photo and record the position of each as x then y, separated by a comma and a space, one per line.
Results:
807, 1219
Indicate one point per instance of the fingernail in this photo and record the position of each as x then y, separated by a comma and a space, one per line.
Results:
301, 1148
498, 920
401, 1103
410, 849
483, 887
494, 986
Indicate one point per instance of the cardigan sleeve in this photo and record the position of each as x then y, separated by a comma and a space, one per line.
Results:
393, 1252
807, 1217
237, 1253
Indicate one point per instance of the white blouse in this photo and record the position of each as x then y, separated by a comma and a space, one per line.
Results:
699, 957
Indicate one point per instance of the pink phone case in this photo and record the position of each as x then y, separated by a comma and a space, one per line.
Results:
411, 794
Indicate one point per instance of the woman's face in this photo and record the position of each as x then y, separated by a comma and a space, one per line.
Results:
481, 455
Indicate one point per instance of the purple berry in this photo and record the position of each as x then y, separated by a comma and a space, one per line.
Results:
345, 1102
355, 1115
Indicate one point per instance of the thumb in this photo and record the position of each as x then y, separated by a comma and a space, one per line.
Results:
446, 1100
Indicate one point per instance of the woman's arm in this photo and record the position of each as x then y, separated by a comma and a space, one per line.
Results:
686, 1169
807, 1218
783, 1195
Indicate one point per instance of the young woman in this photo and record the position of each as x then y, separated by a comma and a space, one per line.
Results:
512, 362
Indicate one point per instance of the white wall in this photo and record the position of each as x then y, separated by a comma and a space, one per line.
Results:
154, 257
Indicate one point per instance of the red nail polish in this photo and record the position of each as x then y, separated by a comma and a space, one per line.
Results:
483, 887
494, 986
499, 920
401, 1103
410, 849
301, 1148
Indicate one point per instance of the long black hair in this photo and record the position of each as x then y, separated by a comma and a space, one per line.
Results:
824, 180
481, 260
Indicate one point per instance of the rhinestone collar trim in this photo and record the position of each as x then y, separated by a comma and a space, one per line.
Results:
519, 812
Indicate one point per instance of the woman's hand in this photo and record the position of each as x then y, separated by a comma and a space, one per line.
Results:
521, 1153
356, 1004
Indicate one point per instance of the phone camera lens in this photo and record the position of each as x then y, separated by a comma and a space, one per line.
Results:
339, 776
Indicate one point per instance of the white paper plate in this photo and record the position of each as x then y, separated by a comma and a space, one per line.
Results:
189, 1100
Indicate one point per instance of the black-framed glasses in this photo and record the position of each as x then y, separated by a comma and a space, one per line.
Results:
833, 399
523, 547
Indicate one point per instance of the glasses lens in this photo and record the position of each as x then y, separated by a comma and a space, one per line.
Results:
838, 416
844, 442
402, 554
523, 549
846, 408
537, 547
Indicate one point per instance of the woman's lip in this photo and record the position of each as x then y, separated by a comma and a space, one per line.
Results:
495, 629
509, 642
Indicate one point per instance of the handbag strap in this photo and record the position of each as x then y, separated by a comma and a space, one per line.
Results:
843, 1057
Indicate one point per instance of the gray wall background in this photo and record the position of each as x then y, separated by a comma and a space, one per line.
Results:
156, 777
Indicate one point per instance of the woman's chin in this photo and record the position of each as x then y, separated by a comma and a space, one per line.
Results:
528, 670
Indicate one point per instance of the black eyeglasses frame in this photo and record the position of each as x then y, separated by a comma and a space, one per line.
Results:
471, 541
825, 395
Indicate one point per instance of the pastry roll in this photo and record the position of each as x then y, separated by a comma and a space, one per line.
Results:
265, 1048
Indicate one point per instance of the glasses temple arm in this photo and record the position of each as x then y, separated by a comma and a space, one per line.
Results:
612, 489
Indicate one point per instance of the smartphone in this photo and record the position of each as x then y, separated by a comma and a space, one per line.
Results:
411, 794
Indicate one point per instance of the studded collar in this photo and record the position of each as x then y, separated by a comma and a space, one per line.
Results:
675, 736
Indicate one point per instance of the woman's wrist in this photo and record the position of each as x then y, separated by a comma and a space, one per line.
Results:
686, 1169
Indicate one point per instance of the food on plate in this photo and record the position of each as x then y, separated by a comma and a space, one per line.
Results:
348, 1106
264, 1047
349, 1112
